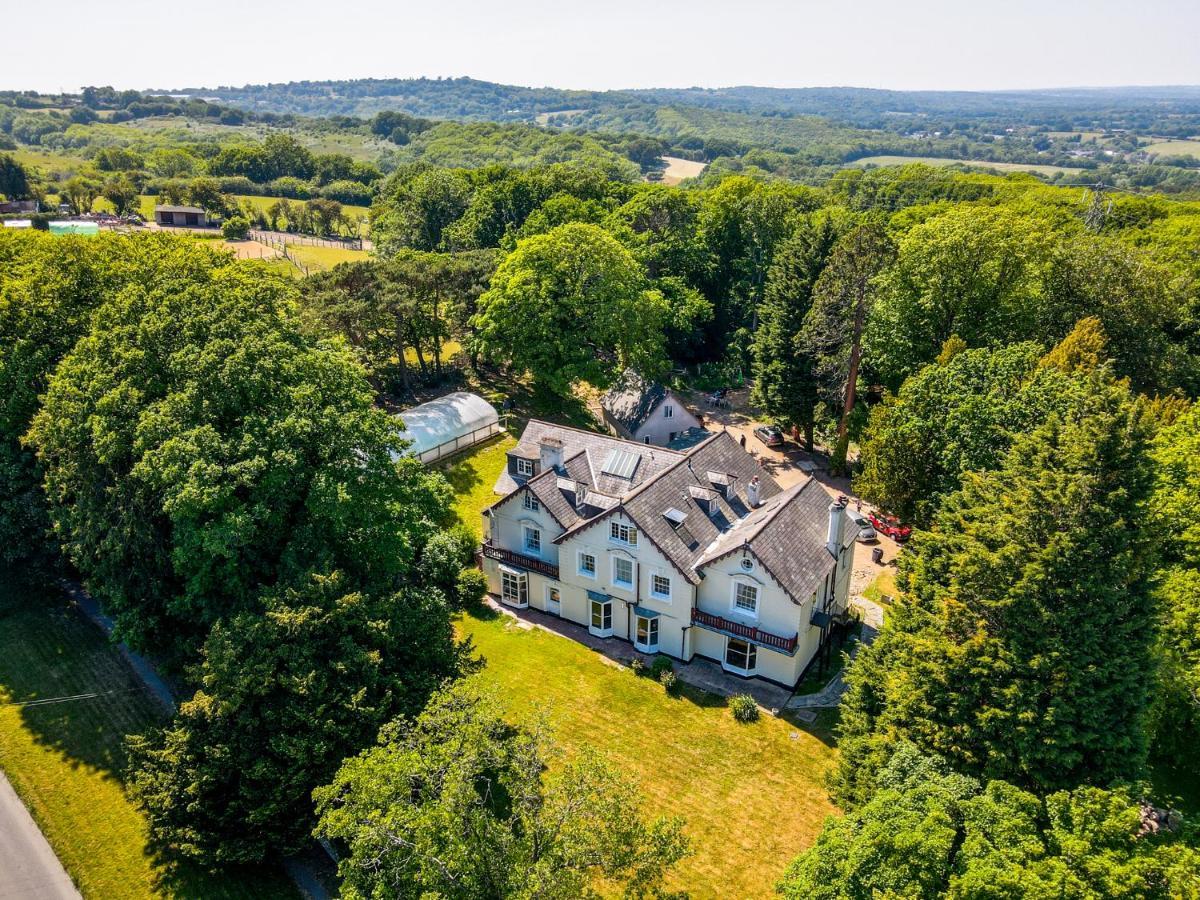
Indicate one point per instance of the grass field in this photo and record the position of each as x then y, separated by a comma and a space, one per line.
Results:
943, 161
1174, 148
753, 795
326, 257
65, 759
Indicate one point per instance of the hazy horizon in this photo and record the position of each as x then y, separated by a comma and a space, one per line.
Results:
925, 45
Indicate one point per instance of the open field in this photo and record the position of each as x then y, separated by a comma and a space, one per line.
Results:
326, 257
1174, 148
47, 161
65, 759
945, 161
678, 169
753, 795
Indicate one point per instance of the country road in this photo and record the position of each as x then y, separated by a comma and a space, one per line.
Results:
29, 870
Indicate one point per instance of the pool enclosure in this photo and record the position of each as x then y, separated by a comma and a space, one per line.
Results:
449, 424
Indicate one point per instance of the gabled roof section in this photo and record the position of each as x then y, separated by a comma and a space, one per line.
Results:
632, 400
787, 535
596, 448
676, 505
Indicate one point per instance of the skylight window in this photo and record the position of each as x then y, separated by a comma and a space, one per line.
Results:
621, 464
675, 516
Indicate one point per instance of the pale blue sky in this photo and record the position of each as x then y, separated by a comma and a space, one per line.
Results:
63, 44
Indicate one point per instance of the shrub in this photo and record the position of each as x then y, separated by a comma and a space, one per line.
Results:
235, 228
669, 680
744, 708
637, 667
661, 664
445, 554
470, 587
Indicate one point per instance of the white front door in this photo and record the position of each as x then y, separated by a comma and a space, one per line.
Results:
646, 638
553, 601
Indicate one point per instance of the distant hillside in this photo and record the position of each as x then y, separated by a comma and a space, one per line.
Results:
1170, 111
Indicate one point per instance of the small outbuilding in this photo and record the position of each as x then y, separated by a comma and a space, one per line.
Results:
449, 424
180, 216
645, 411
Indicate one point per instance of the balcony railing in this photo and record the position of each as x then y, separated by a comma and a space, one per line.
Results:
491, 551
786, 644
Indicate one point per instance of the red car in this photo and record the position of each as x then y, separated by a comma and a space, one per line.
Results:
890, 526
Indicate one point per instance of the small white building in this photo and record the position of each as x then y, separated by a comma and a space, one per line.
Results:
449, 424
696, 553
646, 412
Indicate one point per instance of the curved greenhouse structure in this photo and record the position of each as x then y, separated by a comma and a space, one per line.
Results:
449, 424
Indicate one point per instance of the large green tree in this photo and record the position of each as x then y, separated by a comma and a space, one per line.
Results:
958, 415
975, 272
286, 693
458, 803
741, 223
416, 208
197, 446
572, 304
931, 833
49, 288
1023, 647
843, 299
1176, 500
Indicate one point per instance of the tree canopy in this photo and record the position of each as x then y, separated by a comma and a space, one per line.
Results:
1022, 649
929, 832
572, 304
457, 802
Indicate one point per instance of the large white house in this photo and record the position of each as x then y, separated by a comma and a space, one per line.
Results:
696, 553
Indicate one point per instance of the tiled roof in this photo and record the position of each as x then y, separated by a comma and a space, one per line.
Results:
787, 534
708, 485
632, 399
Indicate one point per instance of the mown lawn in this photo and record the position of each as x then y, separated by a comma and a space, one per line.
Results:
753, 795
65, 759
472, 476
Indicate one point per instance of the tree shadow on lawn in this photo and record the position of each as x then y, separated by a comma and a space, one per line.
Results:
81, 699
525, 402
79, 696
824, 728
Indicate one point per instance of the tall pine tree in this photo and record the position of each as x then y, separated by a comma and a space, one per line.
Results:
1023, 648
784, 385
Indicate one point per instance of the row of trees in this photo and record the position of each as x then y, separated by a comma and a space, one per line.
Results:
227, 488
814, 292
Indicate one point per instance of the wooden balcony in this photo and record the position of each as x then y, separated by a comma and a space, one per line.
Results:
749, 632
520, 560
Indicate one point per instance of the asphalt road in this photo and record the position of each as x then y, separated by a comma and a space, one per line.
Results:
29, 870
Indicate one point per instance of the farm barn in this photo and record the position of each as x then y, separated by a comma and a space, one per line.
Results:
187, 216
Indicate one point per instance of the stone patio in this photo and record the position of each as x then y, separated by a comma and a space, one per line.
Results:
700, 673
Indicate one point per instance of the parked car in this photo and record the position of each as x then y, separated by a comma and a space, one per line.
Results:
769, 435
891, 526
866, 531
